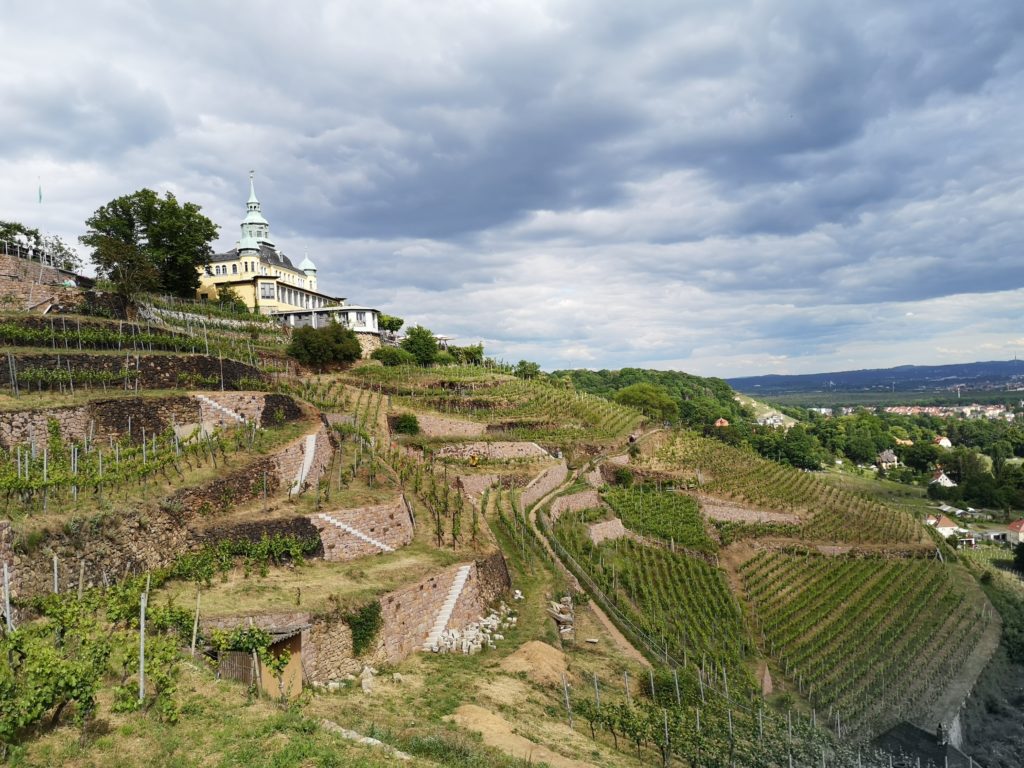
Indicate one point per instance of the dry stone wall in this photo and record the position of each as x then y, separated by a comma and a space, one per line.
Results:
544, 484
154, 371
101, 420
497, 449
432, 425
574, 503
26, 284
135, 541
389, 524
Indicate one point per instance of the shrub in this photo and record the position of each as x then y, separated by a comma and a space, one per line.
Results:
444, 358
316, 347
407, 424
392, 356
623, 476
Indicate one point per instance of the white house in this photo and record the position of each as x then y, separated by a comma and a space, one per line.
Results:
944, 525
941, 478
942, 441
1015, 533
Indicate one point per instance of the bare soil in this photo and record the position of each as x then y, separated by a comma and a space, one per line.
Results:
542, 664
498, 732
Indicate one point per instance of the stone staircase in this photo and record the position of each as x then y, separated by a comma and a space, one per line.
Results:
218, 408
307, 463
356, 532
445, 614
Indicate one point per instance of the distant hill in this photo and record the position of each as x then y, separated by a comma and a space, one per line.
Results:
995, 374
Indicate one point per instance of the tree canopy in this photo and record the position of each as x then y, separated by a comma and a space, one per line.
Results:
421, 343
142, 242
390, 323
317, 347
653, 401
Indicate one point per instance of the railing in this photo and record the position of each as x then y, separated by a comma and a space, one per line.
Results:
29, 253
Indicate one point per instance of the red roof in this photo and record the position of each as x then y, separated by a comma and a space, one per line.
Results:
945, 522
1017, 526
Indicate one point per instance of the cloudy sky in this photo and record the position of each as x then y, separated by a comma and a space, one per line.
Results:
727, 188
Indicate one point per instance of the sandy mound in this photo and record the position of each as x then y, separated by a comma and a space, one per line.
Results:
541, 663
497, 732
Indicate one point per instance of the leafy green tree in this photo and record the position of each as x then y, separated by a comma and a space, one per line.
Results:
653, 401
527, 370
317, 347
228, 298
142, 242
801, 449
470, 355
1018, 557
390, 323
420, 342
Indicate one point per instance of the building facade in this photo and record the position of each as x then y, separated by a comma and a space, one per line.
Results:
267, 281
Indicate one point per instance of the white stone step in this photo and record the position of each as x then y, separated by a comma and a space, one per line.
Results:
307, 463
222, 409
445, 614
357, 533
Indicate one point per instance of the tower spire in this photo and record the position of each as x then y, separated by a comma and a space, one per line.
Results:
252, 191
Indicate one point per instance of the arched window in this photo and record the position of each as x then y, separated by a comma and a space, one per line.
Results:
234, 269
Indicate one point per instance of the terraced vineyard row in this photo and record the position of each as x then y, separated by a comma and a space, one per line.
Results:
63, 473
666, 515
834, 514
528, 410
871, 639
681, 599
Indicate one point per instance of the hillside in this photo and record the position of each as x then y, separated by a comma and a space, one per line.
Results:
471, 568
994, 374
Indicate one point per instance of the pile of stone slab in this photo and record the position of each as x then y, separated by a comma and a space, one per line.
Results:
477, 635
564, 616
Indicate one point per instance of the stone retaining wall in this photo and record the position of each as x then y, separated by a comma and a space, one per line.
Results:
606, 531
408, 615
388, 523
138, 541
574, 503
432, 425
155, 371
544, 484
102, 420
475, 485
492, 450
26, 284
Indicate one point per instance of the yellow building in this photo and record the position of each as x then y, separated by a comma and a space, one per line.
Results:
263, 277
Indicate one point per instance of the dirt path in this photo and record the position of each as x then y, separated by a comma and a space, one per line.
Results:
627, 648
499, 733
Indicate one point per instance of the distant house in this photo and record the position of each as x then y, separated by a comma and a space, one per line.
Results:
1015, 532
941, 478
942, 441
943, 525
887, 460
771, 420
721, 423
901, 441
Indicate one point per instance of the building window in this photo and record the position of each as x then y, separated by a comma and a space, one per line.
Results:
266, 290
234, 269
360, 318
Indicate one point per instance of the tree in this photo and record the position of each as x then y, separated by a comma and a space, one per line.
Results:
1018, 557
142, 242
228, 297
420, 342
390, 323
527, 370
60, 253
317, 347
653, 401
